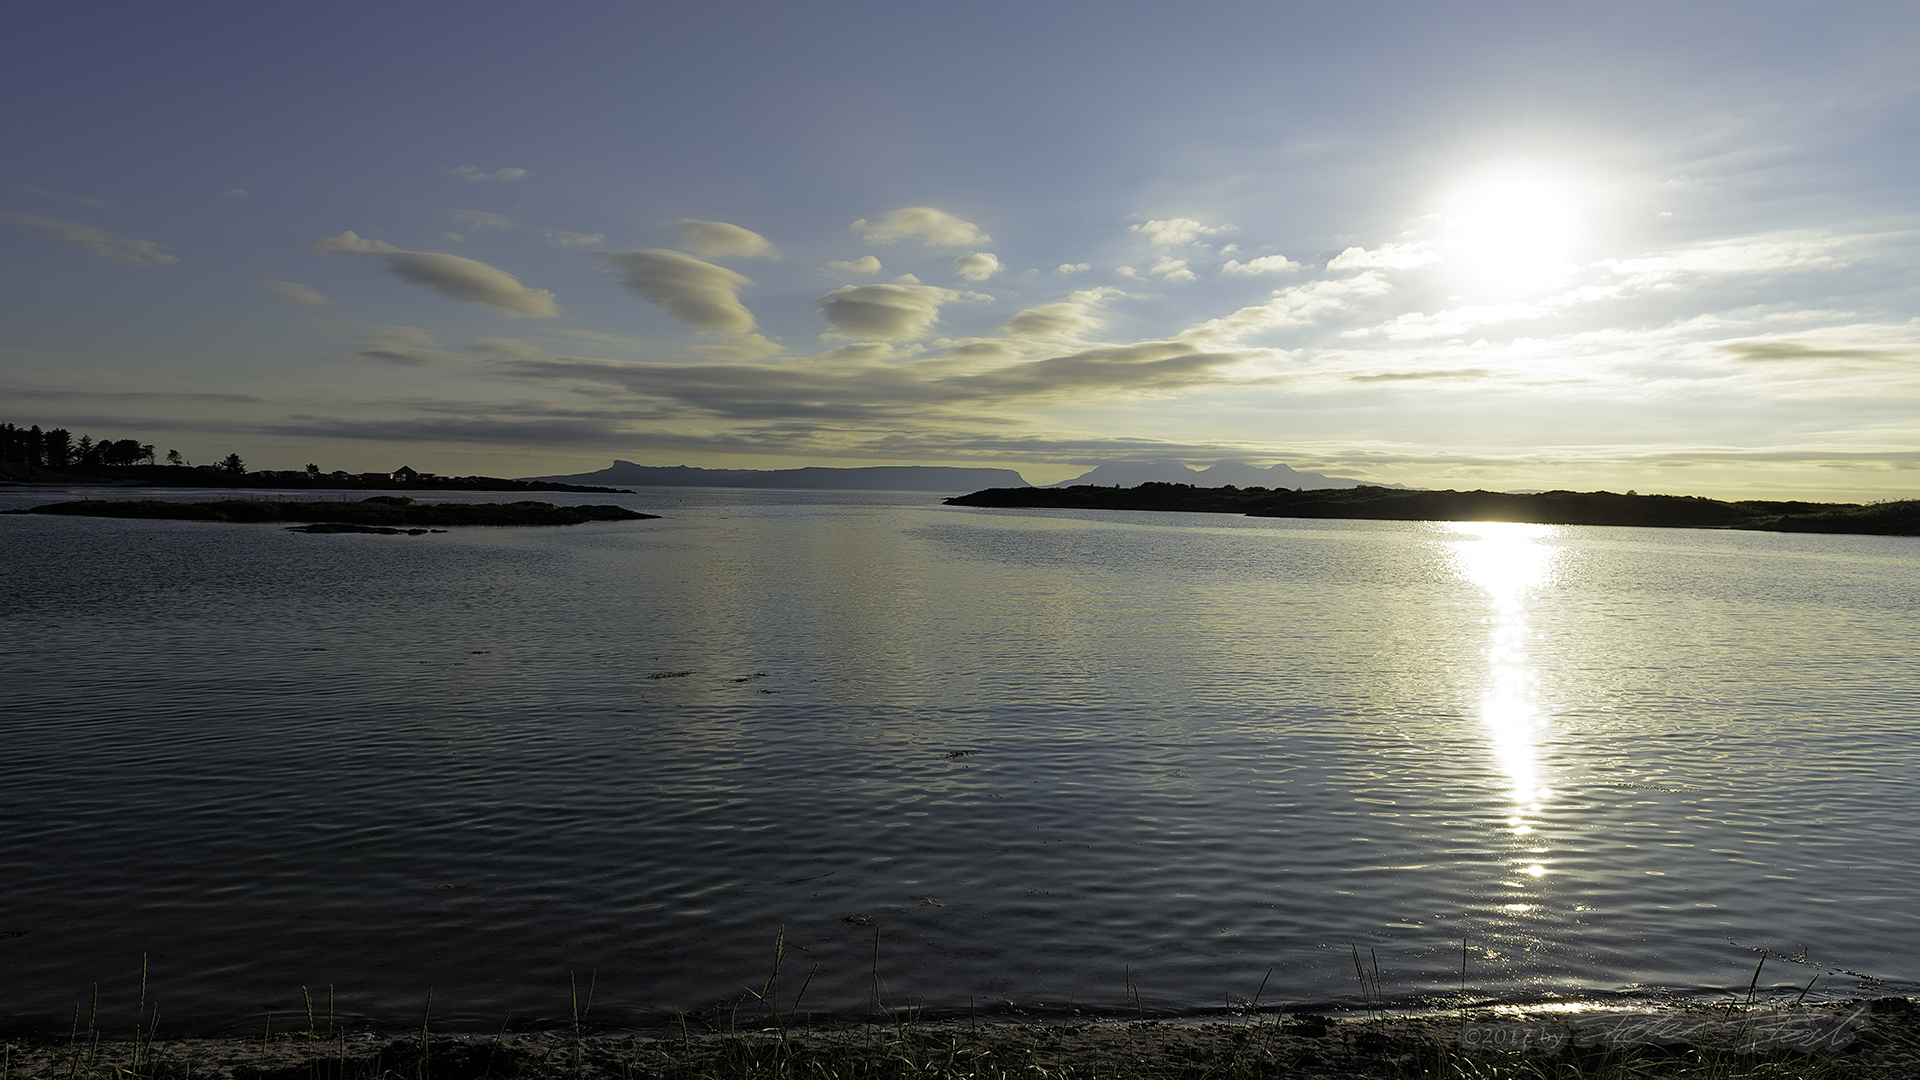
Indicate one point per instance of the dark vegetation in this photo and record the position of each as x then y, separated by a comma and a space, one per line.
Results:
769, 1035
56, 448
1547, 508
380, 513
54, 456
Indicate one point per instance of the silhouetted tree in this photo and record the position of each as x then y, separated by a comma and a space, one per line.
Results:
58, 448
232, 463
174, 458
120, 451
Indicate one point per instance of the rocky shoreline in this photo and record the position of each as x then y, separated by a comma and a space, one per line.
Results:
1870, 1039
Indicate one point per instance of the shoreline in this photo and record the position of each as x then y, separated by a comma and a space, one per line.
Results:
1869, 1038
1898, 518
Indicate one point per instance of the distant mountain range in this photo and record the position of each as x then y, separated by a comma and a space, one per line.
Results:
876, 478
1128, 474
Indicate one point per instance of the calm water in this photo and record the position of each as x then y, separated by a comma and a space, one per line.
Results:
1129, 760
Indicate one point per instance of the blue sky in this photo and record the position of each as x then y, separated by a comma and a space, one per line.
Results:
1651, 246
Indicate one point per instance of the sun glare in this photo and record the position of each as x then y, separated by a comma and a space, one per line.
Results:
1513, 230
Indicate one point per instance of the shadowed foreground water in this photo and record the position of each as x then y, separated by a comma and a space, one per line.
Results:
1129, 760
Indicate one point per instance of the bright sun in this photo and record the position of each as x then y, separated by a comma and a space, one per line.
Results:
1512, 230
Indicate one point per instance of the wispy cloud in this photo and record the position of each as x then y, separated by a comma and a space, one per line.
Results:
1385, 257
717, 239
884, 312
1177, 232
697, 293
405, 345
295, 292
865, 264
934, 228
1073, 317
98, 243
473, 174
453, 276
486, 221
1168, 268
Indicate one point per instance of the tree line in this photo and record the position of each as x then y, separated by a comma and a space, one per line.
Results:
56, 448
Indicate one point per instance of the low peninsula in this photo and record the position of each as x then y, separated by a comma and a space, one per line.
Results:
379, 514
1545, 508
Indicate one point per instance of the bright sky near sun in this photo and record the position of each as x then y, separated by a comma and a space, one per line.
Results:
1661, 246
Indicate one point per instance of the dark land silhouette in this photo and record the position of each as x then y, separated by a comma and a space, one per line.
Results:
380, 513
1546, 508
871, 478
183, 476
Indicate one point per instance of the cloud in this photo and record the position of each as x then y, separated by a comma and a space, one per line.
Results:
1265, 264
486, 221
1176, 232
1454, 375
1071, 318
1745, 255
1780, 350
299, 294
352, 243
884, 312
697, 293
739, 347
467, 280
505, 348
1296, 305
1074, 268
865, 264
405, 345
1172, 269
978, 266
77, 200
716, 239
1420, 326
482, 221
472, 282
1111, 371
934, 228
562, 238
96, 242
236, 193
1385, 257
476, 175
875, 383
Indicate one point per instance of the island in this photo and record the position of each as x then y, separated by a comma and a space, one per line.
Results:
1901, 518
382, 513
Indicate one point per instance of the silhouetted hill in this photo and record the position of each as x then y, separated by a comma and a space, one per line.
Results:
874, 478
1546, 508
1220, 474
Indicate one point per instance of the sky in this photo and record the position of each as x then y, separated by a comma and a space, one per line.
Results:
1650, 246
